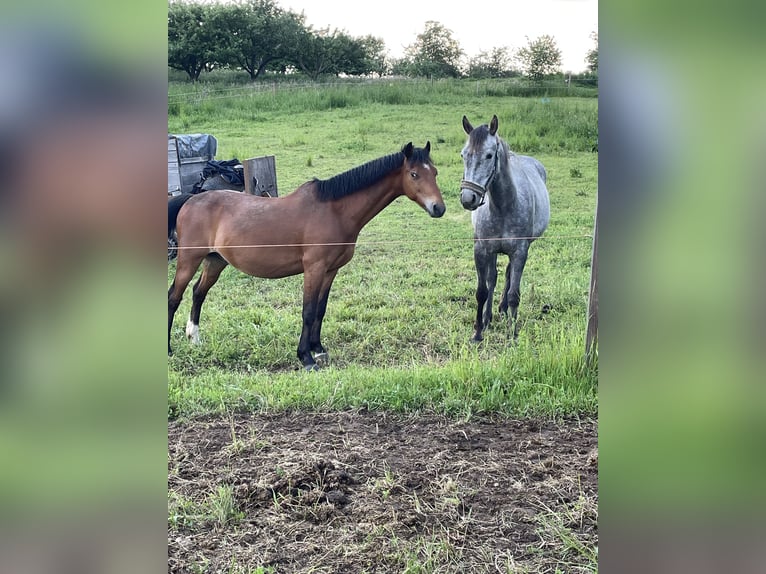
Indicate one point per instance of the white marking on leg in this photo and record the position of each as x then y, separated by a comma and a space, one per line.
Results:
192, 332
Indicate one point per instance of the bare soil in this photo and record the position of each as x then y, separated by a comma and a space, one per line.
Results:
360, 492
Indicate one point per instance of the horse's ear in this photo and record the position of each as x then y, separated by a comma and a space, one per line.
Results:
467, 125
407, 150
493, 126
428, 146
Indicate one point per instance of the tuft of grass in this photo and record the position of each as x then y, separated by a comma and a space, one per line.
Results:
560, 530
219, 508
183, 513
223, 508
236, 568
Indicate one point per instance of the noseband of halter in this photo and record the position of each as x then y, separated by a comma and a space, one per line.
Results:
481, 190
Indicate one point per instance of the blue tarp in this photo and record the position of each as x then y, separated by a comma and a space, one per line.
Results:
196, 145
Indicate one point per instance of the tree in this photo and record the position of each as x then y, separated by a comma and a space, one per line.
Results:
348, 55
259, 33
494, 64
374, 54
435, 53
540, 57
314, 54
591, 58
402, 67
335, 52
193, 37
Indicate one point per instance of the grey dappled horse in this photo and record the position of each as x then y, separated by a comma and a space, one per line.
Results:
508, 198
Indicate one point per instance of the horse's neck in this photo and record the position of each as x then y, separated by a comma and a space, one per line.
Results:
502, 190
362, 206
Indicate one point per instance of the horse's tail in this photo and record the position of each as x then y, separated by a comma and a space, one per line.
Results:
174, 206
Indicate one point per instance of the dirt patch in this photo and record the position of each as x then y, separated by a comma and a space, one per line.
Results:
369, 492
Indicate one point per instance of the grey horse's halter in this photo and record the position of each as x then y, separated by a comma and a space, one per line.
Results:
482, 189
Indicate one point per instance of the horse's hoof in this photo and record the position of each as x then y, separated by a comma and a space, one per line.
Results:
322, 359
311, 368
476, 339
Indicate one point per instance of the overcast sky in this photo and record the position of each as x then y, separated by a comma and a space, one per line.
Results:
478, 25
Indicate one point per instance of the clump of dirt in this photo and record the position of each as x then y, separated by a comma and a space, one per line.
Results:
364, 492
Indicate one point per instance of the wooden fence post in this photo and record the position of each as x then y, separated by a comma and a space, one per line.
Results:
261, 176
591, 335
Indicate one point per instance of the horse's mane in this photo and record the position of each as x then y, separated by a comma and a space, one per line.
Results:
365, 175
506, 148
480, 134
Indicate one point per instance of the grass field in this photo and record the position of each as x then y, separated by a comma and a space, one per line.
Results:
400, 314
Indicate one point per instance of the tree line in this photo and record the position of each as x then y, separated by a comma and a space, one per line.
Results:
259, 37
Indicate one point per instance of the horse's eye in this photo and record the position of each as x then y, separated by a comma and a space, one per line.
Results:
414, 174
489, 156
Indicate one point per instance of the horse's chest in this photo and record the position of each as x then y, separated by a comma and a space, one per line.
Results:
493, 227
495, 235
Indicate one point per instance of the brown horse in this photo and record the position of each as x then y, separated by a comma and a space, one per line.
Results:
312, 230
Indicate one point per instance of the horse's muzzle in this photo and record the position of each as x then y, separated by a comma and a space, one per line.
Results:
470, 200
437, 209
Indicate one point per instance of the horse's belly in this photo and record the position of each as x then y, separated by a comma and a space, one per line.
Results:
263, 261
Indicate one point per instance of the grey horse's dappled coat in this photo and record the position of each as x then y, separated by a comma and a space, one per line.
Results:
507, 195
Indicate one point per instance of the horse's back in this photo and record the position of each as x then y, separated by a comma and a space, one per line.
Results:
534, 185
227, 200
205, 214
534, 164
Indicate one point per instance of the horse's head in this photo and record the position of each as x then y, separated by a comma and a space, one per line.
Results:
419, 179
480, 162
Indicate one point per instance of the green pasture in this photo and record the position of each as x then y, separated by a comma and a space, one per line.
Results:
400, 313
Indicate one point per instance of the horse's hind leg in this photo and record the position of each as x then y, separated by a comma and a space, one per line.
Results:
185, 269
212, 267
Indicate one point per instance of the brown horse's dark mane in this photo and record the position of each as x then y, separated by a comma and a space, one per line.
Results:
365, 175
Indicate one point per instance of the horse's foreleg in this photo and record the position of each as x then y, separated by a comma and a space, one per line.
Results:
513, 287
312, 286
315, 337
503, 307
482, 295
212, 267
491, 282
481, 298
